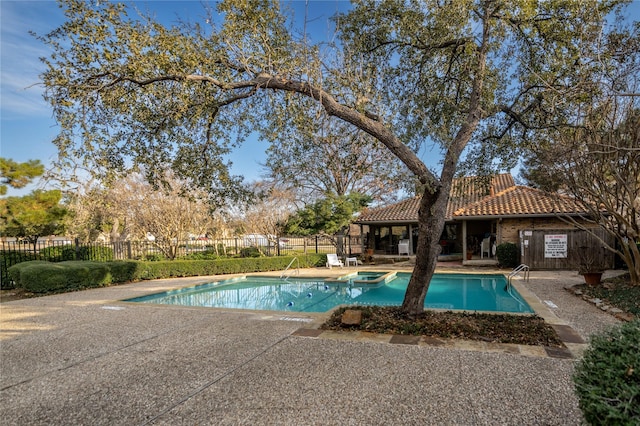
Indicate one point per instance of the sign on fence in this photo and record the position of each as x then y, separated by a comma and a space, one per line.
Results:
563, 248
555, 246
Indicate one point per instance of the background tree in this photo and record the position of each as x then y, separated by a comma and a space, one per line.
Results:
329, 216
131, 209
487, 73
18, 175
33, 216
265, 215
94, 218
331, 157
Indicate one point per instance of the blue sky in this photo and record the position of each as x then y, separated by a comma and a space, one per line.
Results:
26, 124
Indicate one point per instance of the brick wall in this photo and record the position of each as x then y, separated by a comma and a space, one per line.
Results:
508, 229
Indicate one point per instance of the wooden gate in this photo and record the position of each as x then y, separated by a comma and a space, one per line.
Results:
563, 248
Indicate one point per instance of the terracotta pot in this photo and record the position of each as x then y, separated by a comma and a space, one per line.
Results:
469, 256
592, 278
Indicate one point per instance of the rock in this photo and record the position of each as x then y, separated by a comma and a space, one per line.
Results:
604, 307
624, 316
595, 301
616, 311
351, 317
577, 292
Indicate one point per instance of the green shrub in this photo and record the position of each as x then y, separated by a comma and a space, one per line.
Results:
58, 253
123, 271
202, 255
508, 255
15, 272
607, 379
154, 257
100, 253
187, 268
250, 252
44, 277
70, 252
9, 258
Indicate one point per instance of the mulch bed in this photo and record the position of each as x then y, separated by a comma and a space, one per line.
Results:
498, 328
617, 291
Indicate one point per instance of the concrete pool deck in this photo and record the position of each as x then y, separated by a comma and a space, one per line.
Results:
88, 358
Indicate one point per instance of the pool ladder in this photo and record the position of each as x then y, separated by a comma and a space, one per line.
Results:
297, 270
524, 269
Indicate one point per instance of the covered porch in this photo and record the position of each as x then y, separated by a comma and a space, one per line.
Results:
471, 242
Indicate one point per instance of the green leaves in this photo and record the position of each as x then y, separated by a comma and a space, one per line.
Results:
328, 156
326, 216
34, 215
607, 381
18, 175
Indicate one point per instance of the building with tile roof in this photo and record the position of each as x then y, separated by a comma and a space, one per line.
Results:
482, 213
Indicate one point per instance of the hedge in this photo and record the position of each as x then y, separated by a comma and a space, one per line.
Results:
9, 258
60, 253
45, 277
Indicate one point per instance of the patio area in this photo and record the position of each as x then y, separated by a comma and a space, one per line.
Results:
87, 358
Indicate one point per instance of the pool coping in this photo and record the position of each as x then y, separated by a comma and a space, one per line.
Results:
573, 342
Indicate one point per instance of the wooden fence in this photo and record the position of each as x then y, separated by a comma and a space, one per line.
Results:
564, 248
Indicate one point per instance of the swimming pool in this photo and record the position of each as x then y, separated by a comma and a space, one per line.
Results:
446, 291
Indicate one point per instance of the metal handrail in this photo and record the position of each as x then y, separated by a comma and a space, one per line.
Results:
295, 259
521, 268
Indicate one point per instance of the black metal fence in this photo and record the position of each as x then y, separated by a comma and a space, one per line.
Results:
59, 250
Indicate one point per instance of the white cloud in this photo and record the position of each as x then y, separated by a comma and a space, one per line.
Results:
20, 52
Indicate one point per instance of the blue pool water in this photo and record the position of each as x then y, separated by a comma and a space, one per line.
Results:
446, 291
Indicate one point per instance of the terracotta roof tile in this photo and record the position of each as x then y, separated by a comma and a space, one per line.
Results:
519, 200
403, 211
473, 197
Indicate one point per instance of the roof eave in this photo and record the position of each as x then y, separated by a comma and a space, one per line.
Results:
386, 222
518, 216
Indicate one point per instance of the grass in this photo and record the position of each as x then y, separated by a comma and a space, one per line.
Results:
498, 328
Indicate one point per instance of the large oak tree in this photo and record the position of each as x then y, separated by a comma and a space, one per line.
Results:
129, 90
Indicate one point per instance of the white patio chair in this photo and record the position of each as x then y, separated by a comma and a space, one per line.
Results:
485, 247
403, 247
332, 260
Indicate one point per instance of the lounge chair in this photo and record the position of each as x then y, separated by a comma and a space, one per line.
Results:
332, 260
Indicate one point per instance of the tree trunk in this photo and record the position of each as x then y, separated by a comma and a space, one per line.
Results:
430, 228
631, 256
340, 243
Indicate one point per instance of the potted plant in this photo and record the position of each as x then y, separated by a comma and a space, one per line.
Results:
590, 267
472, 244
